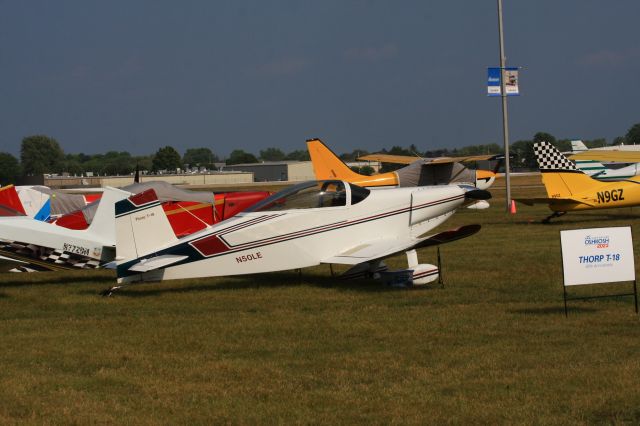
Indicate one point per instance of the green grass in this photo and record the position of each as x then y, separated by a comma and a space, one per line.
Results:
492, 346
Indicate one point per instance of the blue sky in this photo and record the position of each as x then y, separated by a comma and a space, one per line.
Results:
140, 75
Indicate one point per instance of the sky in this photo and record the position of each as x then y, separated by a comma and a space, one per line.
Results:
247, 74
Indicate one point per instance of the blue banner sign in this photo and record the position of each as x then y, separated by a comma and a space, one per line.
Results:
511, 81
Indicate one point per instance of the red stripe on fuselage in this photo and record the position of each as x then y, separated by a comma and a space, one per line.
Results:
210, 245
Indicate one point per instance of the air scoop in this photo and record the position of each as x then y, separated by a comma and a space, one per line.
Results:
477, 194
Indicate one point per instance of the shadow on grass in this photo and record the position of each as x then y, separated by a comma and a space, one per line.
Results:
575, 218
271, 280
552, 310
52, 278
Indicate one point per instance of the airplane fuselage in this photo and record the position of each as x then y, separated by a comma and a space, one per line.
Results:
273, 240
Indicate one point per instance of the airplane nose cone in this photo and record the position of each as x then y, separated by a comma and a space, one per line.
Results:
484, 179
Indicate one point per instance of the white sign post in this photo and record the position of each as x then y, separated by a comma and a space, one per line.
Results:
596, 256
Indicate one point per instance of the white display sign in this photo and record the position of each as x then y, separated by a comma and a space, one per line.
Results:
597, 255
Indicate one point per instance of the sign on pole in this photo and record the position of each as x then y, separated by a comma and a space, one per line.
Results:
511, 81
596, 256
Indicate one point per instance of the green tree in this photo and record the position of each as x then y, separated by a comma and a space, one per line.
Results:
544, 137
144, 162
633, 135
9, 168
353, 155
272, 154
238, 156
166, 158
491, 148
41, 154
298, 155
523, 154
72, 164
199, 157
118, 163
618, 140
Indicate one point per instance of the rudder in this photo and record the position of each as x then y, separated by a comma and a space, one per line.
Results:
560, 176
141, 226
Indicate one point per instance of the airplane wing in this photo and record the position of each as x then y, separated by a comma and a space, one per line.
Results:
608, 155
379, 249
408, 159
553, 201
388, 158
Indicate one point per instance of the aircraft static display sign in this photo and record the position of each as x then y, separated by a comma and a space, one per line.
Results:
597, 255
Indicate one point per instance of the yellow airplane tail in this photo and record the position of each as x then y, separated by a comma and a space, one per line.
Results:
561, 178
327, 165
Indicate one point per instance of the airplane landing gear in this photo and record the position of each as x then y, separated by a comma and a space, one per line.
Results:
547, 220
108, 292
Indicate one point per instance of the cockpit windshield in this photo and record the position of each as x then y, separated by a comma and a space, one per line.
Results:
308, 195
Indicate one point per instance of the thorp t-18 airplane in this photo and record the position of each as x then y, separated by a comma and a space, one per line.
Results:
307, 224
418, 171
569, 189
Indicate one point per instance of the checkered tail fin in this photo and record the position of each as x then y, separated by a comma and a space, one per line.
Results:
560, 176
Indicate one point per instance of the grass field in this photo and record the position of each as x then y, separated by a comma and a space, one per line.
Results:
492, 346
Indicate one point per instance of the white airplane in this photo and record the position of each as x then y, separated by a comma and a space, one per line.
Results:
33, 245
86, 238
597, 170
315, 222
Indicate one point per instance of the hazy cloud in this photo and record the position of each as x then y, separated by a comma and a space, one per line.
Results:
611, 57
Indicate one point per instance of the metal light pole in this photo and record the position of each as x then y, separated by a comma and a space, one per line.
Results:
503, 94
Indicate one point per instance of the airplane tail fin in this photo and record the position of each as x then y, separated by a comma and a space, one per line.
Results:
590, 167
578, 146
327, 165
141, 226
560, 176
102, 224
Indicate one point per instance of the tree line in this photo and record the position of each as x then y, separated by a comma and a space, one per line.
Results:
40, 154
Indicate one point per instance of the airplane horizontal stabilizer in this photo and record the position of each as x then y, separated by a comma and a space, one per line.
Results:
158, 262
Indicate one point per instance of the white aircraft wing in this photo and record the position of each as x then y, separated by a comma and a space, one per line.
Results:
378, 249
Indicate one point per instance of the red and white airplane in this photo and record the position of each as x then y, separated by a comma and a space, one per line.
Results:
315, 222
85, 238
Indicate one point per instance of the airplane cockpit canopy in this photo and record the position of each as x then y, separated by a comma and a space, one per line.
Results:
313, 195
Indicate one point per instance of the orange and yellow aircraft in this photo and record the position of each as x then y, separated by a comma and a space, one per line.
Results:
569, 189
418, 171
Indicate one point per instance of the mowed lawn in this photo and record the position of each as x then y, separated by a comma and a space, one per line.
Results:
492, 346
